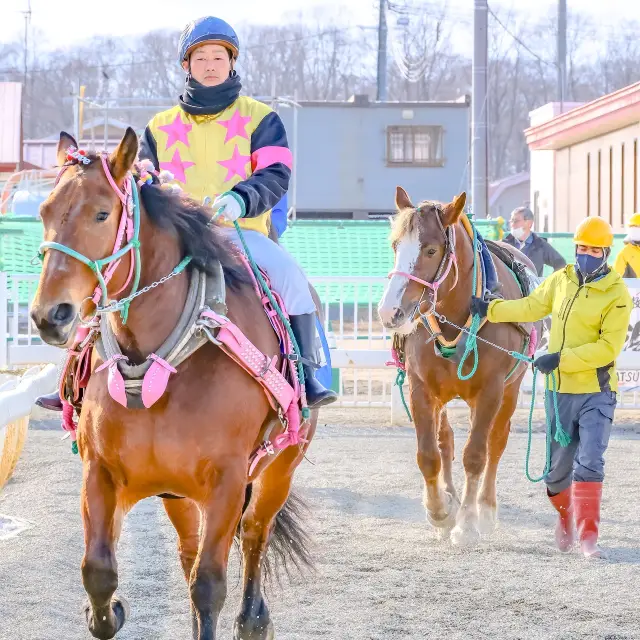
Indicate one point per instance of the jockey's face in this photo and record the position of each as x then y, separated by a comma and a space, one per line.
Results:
210, 64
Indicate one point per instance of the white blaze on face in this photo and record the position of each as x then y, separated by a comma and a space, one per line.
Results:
407, 253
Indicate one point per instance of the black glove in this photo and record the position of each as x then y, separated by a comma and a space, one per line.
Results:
479, 307
547, 363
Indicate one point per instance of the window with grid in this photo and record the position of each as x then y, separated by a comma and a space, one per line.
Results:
412, 145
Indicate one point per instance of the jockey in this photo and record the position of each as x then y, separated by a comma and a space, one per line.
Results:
233, 150
627, 263
590, 307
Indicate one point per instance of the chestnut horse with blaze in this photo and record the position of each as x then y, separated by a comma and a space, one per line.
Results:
434, 261
193, 446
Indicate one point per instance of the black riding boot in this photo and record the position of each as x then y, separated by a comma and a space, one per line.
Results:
304, 329
51, 402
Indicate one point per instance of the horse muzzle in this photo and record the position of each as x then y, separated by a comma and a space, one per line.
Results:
56, 324
392, 317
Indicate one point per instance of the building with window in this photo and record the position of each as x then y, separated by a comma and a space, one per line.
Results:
584, 161
350, 156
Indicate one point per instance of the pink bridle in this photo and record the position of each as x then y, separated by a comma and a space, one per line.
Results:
451, 262
126, 219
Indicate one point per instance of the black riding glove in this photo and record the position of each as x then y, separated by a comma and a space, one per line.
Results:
479, 307
547, 363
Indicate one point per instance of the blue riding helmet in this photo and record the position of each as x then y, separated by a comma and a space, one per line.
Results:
207, 29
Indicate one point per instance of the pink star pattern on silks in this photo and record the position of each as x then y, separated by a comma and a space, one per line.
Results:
177, 167
177, 131
236, 126
236, 165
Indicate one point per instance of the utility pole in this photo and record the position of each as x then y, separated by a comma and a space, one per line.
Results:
381, 94
562, 53
25, 72
479, 177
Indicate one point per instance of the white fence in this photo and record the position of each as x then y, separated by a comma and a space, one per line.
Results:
360, 346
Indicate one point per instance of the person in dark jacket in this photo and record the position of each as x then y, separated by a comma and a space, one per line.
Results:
537, 249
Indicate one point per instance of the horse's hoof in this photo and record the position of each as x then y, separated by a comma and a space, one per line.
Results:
487, 519
253, 631
449, 520
98, 629
468, 536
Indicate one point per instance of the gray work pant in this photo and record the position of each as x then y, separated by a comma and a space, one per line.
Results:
587, 418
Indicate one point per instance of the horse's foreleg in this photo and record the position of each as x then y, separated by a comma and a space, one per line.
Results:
268, 495
446, 446
474, 460
220, 516
440, 506
185, 517
487, 500
102, 519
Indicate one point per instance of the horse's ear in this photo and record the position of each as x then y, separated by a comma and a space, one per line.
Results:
122, 159
403, 201
65, 142
453, 210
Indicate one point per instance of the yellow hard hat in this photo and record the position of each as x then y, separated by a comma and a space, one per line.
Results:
634, 220
594, 232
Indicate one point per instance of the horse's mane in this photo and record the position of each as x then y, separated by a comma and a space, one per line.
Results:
190, 220
405, 222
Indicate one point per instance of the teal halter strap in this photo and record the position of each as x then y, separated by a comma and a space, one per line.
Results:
132, 245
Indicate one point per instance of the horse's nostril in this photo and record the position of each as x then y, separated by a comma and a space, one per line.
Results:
61, 314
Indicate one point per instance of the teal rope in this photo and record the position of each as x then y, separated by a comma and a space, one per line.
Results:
560, 436
471, 344
263, 285
400, 378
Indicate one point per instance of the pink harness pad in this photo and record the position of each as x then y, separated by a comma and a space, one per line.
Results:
247, 355
115, 382
155, 380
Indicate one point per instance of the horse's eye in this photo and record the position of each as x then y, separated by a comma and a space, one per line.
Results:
102, 216
431, 252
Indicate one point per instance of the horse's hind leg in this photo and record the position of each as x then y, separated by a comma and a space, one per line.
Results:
185, 517
258, 526
487, 500
102, 519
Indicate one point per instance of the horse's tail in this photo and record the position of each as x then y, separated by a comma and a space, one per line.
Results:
289, 544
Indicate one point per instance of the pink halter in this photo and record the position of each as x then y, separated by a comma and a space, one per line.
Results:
126, 219
451, 261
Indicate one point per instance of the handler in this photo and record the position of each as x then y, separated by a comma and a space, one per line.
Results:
590, 307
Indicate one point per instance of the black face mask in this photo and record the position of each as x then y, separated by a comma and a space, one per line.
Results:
199, 100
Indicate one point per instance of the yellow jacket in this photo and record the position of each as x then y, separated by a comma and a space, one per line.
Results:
627, 263
589, 326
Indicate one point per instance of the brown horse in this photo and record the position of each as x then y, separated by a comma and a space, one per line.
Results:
425, 246
195, 442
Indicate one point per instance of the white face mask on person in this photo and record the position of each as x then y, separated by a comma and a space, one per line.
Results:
634, 234
518, 233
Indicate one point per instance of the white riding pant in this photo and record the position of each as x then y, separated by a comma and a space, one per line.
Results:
287, 278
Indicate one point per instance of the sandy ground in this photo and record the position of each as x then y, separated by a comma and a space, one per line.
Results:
381, 574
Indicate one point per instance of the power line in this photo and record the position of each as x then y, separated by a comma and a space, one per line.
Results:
519, 41
312, 36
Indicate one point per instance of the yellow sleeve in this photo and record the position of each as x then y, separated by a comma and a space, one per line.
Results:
620, 264
534, 307
607, 347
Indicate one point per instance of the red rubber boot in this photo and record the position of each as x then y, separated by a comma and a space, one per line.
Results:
587, 497
565, 528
